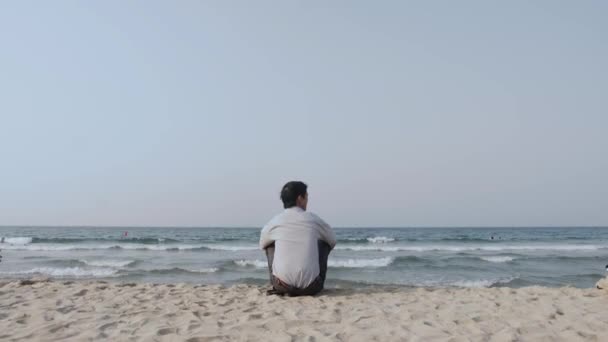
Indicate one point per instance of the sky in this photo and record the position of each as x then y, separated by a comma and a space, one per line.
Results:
395, 113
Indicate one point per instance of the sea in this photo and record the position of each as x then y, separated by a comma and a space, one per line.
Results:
363, 257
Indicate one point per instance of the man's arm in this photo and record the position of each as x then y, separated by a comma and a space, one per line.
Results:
265, 239
327, 234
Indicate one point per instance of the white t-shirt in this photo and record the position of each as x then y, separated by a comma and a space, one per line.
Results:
295, 233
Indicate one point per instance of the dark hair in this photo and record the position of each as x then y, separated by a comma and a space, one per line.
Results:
291, 191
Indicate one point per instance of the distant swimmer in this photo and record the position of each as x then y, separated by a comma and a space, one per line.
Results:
2, 240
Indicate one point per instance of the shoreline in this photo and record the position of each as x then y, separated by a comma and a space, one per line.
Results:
83, 310
330, 284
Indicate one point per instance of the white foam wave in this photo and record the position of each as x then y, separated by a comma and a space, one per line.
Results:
369, 248
40, 247
76, 272
231, 248
203, 270
156, 247
474, 283
345, 263
108, 263
358, 263
183, 269
84, 246
498, 258
480, 282
380, 239
475, 248
17, 240
254, 263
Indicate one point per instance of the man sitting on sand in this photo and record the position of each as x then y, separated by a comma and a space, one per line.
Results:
297, 244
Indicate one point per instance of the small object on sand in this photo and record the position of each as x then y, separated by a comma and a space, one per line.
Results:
33, 281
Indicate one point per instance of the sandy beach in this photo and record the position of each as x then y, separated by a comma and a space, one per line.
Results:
83, 311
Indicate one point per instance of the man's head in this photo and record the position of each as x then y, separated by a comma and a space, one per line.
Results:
294, 194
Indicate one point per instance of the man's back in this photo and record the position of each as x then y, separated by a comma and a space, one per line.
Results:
295, 233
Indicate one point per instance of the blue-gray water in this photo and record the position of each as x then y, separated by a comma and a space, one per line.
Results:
467, 257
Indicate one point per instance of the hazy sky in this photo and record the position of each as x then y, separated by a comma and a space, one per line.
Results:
194, 113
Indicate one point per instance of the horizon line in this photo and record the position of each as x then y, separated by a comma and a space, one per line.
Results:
336, 227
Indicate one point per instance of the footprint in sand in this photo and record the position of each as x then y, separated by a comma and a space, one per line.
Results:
108, 326
66, 309
58, 327
200, 314
193, 327
81, 293
254, 316
166, 331
199, 339
23, 319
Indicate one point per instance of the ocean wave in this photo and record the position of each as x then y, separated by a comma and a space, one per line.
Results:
231, 248
499, 259
35, 257
343, 263
480, 283
17, 240
108, 263
175, 270
179, 247
374, 239
75, 272
41, 248
235, 248
369, 248
408, 259
380, 239
360, 263
84, 247
133, 240
120, 240
474, 248
254, 263
168, 248
595, 258
472, 283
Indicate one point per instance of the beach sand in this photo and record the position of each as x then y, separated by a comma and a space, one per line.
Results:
83, 311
